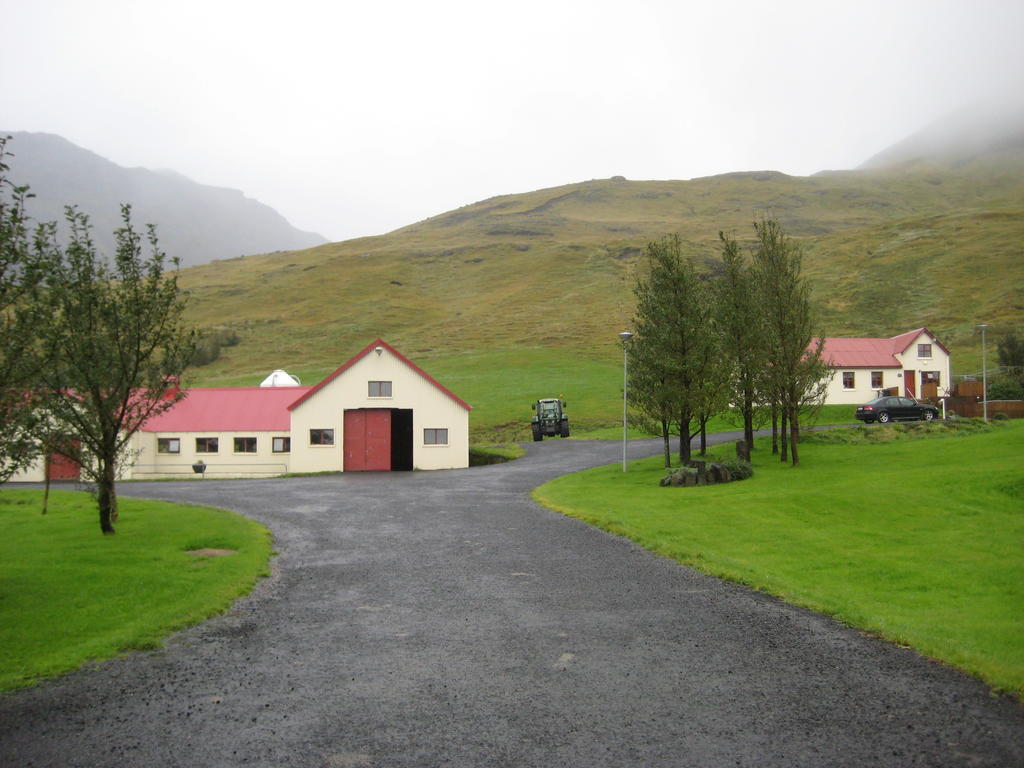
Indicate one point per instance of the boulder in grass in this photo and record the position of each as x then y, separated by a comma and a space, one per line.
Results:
742, 450
721, 473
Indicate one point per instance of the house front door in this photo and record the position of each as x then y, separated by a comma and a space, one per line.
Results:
910, 383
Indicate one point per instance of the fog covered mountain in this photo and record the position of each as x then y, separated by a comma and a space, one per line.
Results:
195, 222
968, 134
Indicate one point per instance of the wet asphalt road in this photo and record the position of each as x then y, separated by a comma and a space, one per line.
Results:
444, 619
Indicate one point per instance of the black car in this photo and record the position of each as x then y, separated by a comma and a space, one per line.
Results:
892, 408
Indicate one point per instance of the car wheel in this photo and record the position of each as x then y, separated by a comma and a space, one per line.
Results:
883, 417
928, 415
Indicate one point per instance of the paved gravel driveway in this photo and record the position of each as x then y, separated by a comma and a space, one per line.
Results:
443, 618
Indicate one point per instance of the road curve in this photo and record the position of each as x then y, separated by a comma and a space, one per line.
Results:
443, 618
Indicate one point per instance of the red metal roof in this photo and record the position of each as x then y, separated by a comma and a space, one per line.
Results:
859, 353
229, 409
356, 358
872, 353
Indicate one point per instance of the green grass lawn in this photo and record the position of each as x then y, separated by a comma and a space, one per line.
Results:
919, 541
69, 595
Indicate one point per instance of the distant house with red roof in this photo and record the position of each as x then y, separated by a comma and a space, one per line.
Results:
914, 363
378, 411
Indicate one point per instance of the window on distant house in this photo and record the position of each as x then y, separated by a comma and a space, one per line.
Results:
245, 445
380, 389
282, 445
321, 437
930, 377
207, 445
848, 379
876, 379
435, 437
168, 445
924, 350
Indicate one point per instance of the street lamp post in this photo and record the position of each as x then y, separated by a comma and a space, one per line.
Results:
984, 372
625, 336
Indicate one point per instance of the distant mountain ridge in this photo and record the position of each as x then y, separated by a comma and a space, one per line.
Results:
933, 241
195, 222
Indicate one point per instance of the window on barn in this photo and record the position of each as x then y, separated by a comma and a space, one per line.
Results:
245, 445
380, 389
282, 445
435, 437
848, 379
168, 445
321, 437
924, 350
207, 445
876, 379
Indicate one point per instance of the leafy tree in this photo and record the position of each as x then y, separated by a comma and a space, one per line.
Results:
795, 374
1010, 353
741, 332
21, 275
674, 345
115, 340
651, 389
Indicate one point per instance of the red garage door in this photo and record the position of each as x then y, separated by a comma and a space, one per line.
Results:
60, 467
368, 440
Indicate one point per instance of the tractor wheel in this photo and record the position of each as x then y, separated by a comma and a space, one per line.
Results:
565, 428
537, 434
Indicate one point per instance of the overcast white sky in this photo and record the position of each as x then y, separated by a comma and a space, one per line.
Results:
355, 118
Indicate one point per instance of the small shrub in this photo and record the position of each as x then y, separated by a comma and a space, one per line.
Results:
739, 469
210, 343
1006, 389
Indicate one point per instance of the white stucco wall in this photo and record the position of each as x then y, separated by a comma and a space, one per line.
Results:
862, 390
149, 464
431, 407
939, 361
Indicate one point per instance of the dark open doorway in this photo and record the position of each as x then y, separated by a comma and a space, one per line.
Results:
401, 439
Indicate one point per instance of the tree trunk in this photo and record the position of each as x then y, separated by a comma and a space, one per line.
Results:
784, 437
703, 437
748, 421
684, 442
668, 447
106, 497
775, 430
46, 486
794, 440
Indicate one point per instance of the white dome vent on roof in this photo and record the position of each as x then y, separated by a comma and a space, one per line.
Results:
281, 378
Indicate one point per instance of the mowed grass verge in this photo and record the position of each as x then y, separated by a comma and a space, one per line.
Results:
918, 541
69, 595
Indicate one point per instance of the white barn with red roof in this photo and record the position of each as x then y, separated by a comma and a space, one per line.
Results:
915, 363
377, 412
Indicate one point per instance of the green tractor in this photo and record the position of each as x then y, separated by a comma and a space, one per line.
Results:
550, 419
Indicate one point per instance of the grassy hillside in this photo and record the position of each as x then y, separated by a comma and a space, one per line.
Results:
535, 286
